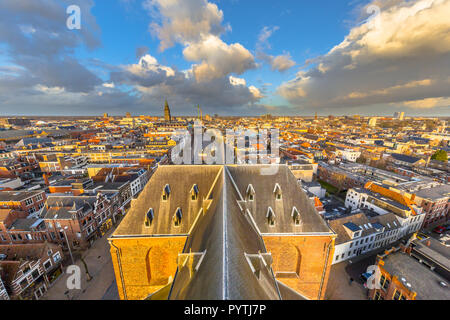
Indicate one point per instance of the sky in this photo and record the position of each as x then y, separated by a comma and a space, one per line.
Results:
232, 57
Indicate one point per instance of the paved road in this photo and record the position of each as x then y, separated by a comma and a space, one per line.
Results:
102, 285
339, 287
111, 293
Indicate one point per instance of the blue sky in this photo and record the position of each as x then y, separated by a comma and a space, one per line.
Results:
233, 57
307, 29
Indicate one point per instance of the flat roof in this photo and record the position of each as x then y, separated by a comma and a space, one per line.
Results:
17, 195
423, 281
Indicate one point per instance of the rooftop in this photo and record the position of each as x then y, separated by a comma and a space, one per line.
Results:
423, 281
17, 195
435, 193
224, 247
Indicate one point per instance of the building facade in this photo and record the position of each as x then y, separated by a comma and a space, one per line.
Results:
222, 224
27, 201
28, 270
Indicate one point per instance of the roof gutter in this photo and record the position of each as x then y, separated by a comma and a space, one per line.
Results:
120, 270
322, 280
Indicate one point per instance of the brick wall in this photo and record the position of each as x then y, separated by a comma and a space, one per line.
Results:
307, 256
145, 265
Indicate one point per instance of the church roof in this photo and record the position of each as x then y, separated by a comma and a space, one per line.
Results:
224, 247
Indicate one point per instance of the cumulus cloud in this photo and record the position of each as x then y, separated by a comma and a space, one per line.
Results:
38, 43
184, 21
218, 59
43, 100
279, 63
428, 103
149, 65
42, 75
399, 56
141, 51
197, 25
155, 82
109, 85
282, 62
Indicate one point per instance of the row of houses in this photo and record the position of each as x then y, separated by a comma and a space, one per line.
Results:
432, 196
28, 270
81, 218
380, 217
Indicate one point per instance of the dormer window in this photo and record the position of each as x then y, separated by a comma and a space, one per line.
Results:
353, 230
194, 192
177, 217
250, 193
149, 217
270, 217
296, 216
166, 192
277, 192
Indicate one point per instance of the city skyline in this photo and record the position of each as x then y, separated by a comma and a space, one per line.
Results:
225, 153
263, 207
293, 59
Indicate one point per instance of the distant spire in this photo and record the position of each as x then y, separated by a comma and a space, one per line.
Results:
167, 115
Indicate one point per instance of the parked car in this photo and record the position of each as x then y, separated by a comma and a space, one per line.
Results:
445, 240
365, 276
439, 230
422, 236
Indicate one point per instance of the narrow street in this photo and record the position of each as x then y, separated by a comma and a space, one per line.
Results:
339, 286
101, 286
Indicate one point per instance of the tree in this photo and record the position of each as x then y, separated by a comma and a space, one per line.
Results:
361, 160
440, 155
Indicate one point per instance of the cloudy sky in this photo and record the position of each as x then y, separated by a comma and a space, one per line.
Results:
233, 57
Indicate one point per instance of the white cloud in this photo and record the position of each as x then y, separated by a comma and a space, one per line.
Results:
401, 55
257, 95
256, 92
279, 63
218, 59
36, 40
282, 62
49, 90
153, 84
237, 81
428, 103
184, 21
148, 64
108, 85
197, 25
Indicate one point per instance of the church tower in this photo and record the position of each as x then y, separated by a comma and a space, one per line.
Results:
167, 115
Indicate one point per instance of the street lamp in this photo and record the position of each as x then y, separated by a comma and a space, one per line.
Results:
67, 240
